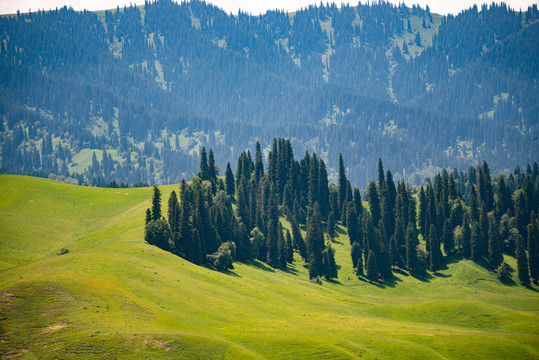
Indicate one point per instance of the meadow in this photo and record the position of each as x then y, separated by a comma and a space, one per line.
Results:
114, 296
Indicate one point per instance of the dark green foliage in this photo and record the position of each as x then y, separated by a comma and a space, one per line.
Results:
356, 252
314, 240
357, 202
533, 251
394, 254
353, 225
384, 262
259, 166
203, 173
411, 248
229, 180
342, 187
388, 202
224, 257
435, 254
447, 237
297, 239
148, 216
359, 265
422, 216
329, 265
495, 256
372, 267
466, 239
374, 202
157, 232
257, 242
243, 244
272, 244
156, 203
381, 177
474, 207
522, 261
476, 242
283, 250
289, 247
330, 224
323, 190
173, 212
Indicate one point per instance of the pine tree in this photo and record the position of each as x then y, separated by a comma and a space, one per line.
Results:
259, 166
203, 173
411, 248
323, 189
381, 177
356, 252
466, 239
533, 251
297, 239
148, 216
156, 203
495, 255
289, 247
359, 265
395, 256
435, 254
372, 267
353, 225
272, 244
474, 207
447, 237
422, 216
283, 251
357, 202
229, 180
314, 239
331, 225
173, 212
374, 202
330, 266
522, 261
476, 241
342, 187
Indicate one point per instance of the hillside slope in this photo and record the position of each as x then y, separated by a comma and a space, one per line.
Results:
112, 295
153, 84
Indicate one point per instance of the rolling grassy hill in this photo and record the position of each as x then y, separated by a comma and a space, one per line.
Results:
114, 296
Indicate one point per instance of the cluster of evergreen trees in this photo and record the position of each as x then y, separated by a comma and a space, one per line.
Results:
468, 215
459, 215
324, 76
219, 221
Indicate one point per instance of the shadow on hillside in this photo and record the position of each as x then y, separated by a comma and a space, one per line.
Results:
339, 230
391, 282
291, 269
441, 275
228, 272
423, 276
260, 265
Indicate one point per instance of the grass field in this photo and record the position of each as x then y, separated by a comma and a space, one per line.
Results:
113, 296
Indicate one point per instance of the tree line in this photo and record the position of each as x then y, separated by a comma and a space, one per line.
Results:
218, 220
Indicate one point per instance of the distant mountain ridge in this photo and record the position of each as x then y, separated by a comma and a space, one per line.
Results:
132, 95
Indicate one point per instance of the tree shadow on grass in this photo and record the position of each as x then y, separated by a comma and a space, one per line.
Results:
228, 272
339, 230
260, 265
291, 269
423, 276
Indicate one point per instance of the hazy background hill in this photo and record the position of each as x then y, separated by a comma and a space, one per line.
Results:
132, 94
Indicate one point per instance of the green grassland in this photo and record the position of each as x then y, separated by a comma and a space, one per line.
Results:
114, 296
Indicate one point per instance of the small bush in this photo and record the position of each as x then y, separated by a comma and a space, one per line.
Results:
62, 251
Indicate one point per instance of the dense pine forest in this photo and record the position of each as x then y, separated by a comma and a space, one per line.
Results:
132, 95
267, 215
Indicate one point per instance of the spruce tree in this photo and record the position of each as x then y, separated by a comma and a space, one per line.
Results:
173, 212
422, 215
148, 216
447, 237
203, 173
283, 251
342, 187
381, 177
297, 239
435, 253
314, 239
374, 202
466, 239
522, 261
272, 244
229, 180
156, 203
533, 251
395, 256
330, 265
259, 166
323, 190
475, 240
289, 247
411, 248
331, 225
356, 252
495, 255
372, 267
353, 225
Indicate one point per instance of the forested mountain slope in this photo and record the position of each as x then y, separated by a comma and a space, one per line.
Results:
132, 94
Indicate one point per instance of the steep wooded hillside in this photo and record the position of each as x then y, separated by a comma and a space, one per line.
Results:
133, 94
